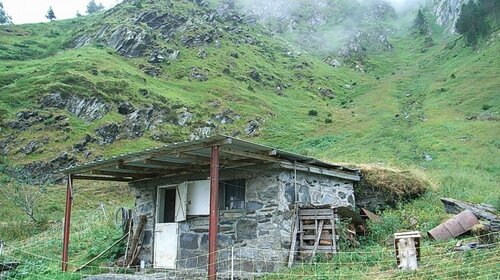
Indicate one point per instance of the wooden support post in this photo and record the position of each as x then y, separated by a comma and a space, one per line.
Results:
67, 222
334, 235
214, 213
295, 227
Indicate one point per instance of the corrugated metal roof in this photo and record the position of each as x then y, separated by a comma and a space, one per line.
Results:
174, 157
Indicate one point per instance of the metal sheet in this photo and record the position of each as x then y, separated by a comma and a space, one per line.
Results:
198, 197
200, 146
458, 225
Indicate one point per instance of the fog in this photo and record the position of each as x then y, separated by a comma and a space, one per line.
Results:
334, 22
402, 6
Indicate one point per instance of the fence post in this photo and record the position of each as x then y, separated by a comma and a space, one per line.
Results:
232, 262
104, 211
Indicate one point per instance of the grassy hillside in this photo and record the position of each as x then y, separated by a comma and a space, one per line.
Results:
433, 110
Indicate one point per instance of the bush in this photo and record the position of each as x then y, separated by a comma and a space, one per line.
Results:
328, 120
486, 107
312, 113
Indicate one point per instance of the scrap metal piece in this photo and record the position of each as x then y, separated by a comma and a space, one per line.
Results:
458, 225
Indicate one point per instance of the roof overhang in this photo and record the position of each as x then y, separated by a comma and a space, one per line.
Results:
194, 156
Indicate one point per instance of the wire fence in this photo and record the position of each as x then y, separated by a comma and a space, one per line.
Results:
39, 258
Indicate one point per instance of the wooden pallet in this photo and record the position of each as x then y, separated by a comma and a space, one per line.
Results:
316, 232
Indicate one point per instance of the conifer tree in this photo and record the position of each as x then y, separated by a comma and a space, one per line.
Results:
420, 24
93, 7
50, 14
472, 23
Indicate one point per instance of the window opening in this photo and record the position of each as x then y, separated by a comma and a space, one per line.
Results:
232, 194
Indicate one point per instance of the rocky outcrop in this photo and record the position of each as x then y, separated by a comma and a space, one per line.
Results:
145, 119
128, 42
125, 108
379, 11
88, 109
82, 145
108, 133
167, 24
87, 39
26, 119
362, 42
47, 171
4, 145
252, 127
227, 116
447, 13
31, 147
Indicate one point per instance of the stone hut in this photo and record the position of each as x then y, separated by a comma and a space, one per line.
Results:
258, 191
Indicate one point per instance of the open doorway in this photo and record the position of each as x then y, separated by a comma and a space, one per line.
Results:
166, 205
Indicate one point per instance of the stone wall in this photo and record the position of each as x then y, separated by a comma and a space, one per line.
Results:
261, 232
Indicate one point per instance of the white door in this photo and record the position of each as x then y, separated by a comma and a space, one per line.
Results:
165, 245
170, 209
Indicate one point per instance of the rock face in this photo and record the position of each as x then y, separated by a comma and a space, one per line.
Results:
128, 42
142, 120
447, 13
46, 171
108, 133
88, 109
144, 28
27, 119
261, 229
375, 40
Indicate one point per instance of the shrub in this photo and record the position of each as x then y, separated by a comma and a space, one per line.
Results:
486, 107
312, 112
328, 120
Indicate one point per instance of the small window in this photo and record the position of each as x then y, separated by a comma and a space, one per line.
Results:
232, 194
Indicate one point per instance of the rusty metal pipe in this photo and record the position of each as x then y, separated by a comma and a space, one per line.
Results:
67, 220
458, 225
214, 213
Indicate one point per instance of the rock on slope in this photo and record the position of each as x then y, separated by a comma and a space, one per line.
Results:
447, 13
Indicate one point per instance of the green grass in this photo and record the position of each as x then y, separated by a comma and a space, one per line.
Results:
441, 101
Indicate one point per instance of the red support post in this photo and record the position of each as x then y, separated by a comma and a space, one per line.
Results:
214, 213
67, 219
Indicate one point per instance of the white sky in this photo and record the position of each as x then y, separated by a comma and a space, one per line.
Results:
30, 11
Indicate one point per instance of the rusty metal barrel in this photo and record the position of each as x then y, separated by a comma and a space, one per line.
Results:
459, 224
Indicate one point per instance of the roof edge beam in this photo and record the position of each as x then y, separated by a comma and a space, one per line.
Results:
321, 171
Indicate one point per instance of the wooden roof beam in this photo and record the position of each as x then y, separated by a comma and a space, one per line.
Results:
267, 156
168, 150
102, 178
118, 173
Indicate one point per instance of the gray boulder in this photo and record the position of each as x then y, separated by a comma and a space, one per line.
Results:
108, 133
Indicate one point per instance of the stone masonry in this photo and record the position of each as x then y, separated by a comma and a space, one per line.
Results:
261, 231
